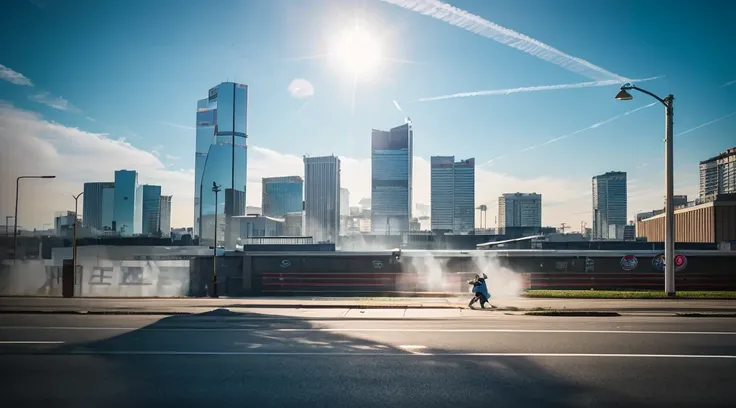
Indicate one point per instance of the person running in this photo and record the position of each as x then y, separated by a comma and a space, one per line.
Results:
480, 291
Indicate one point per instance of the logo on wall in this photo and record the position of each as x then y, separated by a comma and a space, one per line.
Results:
285, 263
680, 262
377, 264
629, 263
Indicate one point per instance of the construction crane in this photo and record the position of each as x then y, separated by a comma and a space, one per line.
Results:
563, 227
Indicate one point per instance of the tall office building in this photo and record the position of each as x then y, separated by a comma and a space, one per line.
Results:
452, 194
165, 218
609, 204
718, 175
149, 208
322, 197
391, 180
281, 195
98, 205
124, 212
519, 210
221, 156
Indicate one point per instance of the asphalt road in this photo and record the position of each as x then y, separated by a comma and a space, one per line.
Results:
258, 360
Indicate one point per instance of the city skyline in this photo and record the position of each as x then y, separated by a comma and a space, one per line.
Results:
52, 122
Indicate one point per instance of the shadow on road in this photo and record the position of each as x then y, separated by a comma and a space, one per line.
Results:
221, 358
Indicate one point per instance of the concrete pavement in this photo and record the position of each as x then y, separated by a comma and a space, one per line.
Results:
222, 358
200, 305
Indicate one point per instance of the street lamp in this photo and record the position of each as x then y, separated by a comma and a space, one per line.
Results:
669, 210
74, 243
215, 189
15, 217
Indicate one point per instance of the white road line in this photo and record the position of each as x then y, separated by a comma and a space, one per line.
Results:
378, 354
368, 329
413, 348
30, 342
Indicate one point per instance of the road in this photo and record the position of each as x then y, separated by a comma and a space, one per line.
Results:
373, 358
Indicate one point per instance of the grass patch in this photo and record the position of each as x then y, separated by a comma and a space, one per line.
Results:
627, 294
581, 313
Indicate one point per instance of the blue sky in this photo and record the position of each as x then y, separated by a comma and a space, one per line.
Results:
134, 70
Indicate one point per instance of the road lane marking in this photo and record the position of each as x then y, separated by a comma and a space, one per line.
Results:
413, 348
380, 354
29, 342
369, 329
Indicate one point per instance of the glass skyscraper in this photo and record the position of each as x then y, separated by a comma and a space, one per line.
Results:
124, 212
322, 197
98, 205
452, 194
391, 180
282, 195
221, 156
149, 205
609, 204
165, 219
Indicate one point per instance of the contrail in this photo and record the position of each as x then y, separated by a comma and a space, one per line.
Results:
729, 83
593, 126
608, 82
706, 124
478, 25
397, 106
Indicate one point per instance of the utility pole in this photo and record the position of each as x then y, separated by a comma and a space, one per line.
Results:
74, 242
216, 190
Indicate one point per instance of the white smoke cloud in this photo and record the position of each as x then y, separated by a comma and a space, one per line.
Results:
32, 145
478, 25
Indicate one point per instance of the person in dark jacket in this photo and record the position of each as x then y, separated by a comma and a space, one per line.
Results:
480, 291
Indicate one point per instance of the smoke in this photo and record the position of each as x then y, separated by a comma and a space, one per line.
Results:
478, 25
503, 283
509, 91
28, 278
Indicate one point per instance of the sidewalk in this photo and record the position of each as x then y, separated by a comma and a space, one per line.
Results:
199, 305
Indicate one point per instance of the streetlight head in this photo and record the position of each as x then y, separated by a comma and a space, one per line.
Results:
48, 177
622, 95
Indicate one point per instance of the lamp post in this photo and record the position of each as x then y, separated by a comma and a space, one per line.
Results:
215, 189
15, 217
74, 242
669, 210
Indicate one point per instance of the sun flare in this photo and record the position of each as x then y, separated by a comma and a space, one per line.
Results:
356, 51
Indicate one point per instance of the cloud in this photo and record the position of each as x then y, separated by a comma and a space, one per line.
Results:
176, 125
301, 89
533, 89
706, 124
172, 157
75, 156
729, 83
13, 77
91, 119
478, 25
54, 102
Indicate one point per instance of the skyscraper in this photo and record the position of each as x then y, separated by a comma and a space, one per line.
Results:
165, 219
519, 210
322, 197
124, 212
609, 204
98, 205
718, 175
221, 156
452, 194
282, 195
391, 181
149, 206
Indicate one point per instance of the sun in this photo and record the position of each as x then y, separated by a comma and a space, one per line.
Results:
356, 51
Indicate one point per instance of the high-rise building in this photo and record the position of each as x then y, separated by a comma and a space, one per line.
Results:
519, 210
609, 203
124, 212
149, 206
221, 157
718, 175
322, 197
98, 205
452, 194
165, 218
281, 195
391, 180
344, 210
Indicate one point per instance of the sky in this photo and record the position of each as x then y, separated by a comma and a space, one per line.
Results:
525, 86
